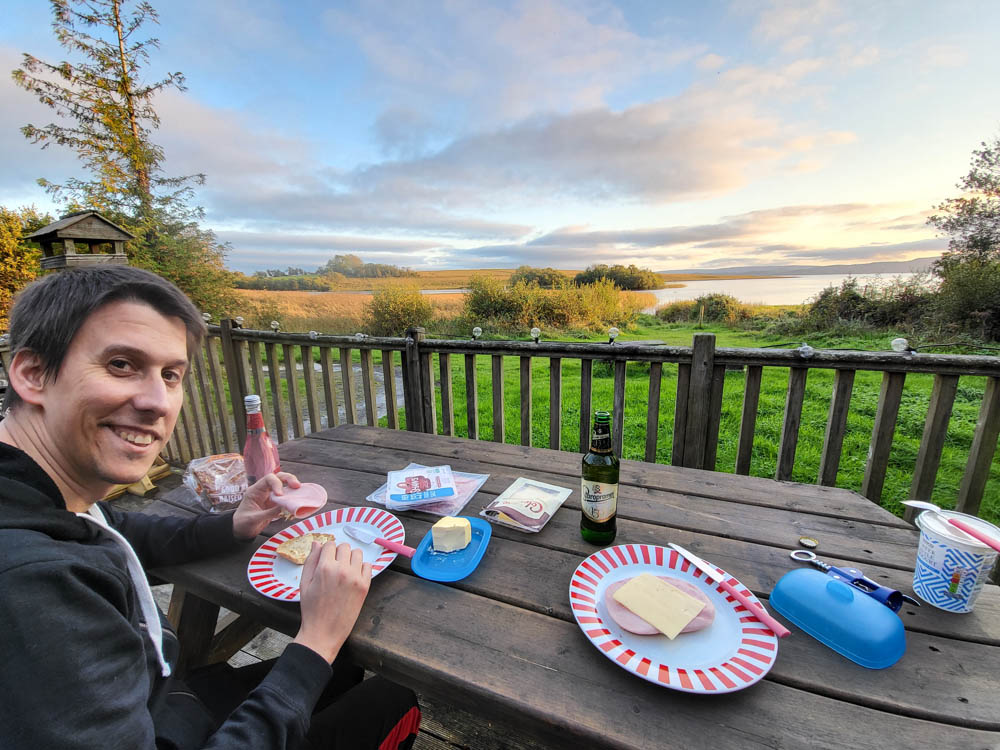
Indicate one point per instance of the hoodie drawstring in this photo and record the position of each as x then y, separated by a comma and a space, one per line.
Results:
147, 605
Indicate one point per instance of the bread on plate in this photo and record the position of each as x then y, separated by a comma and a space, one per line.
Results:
297, 549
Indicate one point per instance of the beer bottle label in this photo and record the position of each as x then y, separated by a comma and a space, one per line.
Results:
599, 500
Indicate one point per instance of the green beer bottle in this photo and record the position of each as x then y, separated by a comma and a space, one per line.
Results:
599, 485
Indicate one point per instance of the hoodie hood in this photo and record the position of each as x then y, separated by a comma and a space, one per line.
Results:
32, 501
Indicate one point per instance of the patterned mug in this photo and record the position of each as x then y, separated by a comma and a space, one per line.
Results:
951, 566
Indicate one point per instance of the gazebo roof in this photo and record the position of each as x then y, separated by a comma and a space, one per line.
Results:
84, 225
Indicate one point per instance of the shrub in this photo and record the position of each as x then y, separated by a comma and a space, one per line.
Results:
391, 311
834, 304
19, 261
523, 305
900, 301
678, 312
284, 283
721, 308
969, 297
631, 277
488, 299
546, 278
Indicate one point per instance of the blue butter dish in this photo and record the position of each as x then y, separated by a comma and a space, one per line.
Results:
847, 620
451, 566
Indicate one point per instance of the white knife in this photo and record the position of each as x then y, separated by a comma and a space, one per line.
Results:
367, 536
754, 608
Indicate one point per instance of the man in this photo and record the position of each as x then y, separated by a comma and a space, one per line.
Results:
95, 388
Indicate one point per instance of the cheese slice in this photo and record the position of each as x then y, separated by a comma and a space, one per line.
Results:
665, 607
451, 534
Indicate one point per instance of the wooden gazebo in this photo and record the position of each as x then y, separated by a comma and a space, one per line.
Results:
81, 239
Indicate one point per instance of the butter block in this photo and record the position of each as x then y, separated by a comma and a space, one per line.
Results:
665, 607
451, 534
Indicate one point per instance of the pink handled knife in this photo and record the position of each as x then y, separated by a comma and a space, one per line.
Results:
368, 537
756, 609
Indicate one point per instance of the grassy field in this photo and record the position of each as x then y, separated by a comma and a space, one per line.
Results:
460, 278
819, 386
342, 313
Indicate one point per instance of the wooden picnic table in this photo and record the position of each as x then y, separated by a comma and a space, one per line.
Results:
503, 642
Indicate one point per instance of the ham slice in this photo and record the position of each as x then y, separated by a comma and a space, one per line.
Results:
301, 502
631, 622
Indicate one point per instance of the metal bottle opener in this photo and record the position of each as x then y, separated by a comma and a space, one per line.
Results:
891, 598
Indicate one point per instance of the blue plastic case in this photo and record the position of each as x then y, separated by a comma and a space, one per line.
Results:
451, 566
848, 621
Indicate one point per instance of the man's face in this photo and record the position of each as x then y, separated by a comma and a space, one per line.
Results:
116, 399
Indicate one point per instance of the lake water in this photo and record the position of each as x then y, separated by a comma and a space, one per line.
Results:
788, 290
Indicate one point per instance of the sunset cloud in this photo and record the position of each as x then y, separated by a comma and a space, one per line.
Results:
556, 132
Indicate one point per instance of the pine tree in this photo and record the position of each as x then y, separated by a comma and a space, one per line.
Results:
107, 106
107, 118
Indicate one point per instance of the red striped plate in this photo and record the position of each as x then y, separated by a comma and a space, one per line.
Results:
278, 578
732, 653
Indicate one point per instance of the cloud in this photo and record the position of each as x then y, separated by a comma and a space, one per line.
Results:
501, 62
255, 250
945, 56
262, 178
784, 19
710, 62
873, 252
23, 162
748, 238
706, 141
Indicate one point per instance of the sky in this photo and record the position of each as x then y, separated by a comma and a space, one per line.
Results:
452, 134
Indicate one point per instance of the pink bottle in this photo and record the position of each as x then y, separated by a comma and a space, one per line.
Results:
260, 454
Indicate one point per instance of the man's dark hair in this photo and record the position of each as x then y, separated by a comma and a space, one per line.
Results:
47, 314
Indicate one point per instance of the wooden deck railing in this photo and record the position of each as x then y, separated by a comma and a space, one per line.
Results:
309, 382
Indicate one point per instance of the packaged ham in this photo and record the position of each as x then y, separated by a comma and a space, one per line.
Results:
218, 481
466, 485
527, 505
411, 488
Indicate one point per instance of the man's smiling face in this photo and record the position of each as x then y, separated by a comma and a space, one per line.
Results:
115, 401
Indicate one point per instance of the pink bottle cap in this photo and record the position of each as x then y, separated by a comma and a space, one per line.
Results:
303, 501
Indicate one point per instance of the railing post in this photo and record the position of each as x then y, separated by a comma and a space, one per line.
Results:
699, 400
412, 392
889, 397
984, 444
235, 377
932, 441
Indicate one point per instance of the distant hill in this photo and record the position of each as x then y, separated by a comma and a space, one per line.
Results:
860, 269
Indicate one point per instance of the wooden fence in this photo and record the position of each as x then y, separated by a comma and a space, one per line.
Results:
309, 382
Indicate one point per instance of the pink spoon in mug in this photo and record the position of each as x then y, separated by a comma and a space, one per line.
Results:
957, 523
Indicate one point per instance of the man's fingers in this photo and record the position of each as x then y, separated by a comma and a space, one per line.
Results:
357, 556
290, 479
309, 567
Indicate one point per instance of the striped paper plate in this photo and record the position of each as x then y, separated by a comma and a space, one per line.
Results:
278, 578
732, 653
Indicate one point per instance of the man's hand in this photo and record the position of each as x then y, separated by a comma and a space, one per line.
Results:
256, 510
333, 587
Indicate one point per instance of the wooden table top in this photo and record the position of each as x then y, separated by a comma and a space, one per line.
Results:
504, 643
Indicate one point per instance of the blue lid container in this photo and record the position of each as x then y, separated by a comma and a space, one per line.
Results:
451, 566
845, 619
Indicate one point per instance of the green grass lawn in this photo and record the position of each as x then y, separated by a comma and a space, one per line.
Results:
906, 442
864, 402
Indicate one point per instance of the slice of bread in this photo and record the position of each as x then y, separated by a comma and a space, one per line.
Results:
297, 550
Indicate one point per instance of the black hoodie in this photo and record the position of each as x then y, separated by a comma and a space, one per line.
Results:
77, 669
